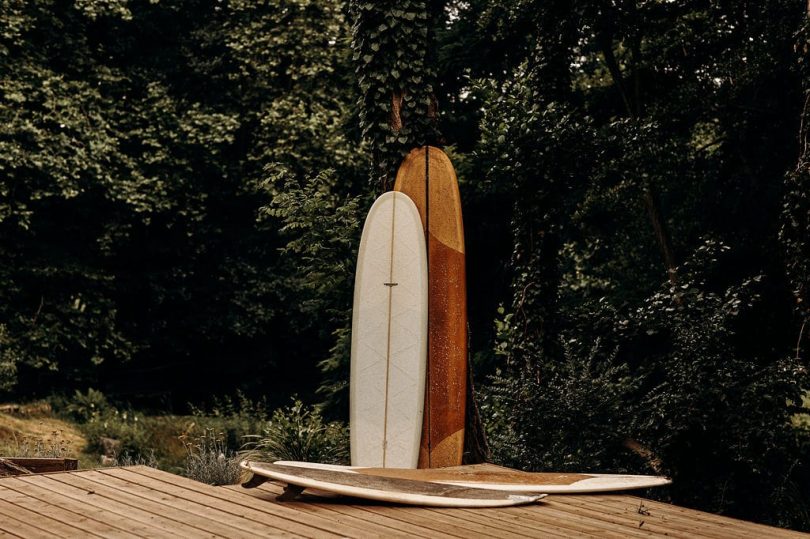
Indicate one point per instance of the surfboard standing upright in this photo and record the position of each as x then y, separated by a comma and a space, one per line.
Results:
389, 336
427, 177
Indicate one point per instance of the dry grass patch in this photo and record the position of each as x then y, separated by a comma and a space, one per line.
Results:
31, 430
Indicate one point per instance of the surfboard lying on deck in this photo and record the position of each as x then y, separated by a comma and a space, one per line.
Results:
389, 336
387, 489
427, 177
492, 477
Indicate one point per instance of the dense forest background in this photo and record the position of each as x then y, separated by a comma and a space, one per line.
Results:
182, 185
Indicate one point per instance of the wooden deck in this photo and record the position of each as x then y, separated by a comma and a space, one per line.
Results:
143, 502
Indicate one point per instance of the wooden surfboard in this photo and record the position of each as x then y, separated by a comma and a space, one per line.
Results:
387, 489
389, 336
427, 177
492, 477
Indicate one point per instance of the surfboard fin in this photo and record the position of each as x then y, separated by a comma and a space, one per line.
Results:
254, 481
290, 493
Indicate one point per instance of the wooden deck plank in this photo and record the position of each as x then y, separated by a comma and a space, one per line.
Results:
633, 519
452, 522
396, 514
566, 523
466, 522
10, 525
114, 524
693, 526
228, 523
188, 521
717, 525
346, 514
144, 502
302, 523
518, 525
540, 527
454, 526
55, 528
310, 525
405, 515
84, 525
608, 524
137, 509
119, 515
344, 511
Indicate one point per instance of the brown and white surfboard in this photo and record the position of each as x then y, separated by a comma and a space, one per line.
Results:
428, 178
492, 477
386, 489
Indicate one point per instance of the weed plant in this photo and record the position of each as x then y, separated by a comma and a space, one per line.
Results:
208, 459
143, 460
235, 418
55, 445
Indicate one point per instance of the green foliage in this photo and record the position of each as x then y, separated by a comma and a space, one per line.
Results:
133, 142
233, 419
795, 229
8, 361
568, 418
794, 234
710, 413
83, 407
117, 433
394, 71
181, 188
322, 230
541, 177
299, 432
622, 136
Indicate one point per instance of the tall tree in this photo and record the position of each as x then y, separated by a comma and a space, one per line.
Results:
134, 145
795, 232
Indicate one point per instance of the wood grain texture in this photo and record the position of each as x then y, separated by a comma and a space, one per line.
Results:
183, 508
389, 489
428, 178
44, 464
491, 476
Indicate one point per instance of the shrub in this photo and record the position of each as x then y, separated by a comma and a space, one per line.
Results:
568, 419
208, 460
299, 432
234, 418
85, 406
717, 417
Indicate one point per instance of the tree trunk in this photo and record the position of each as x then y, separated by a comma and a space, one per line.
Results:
476, 447
661, 234
650, 198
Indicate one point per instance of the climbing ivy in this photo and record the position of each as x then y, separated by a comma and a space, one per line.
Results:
796, 208
391, 49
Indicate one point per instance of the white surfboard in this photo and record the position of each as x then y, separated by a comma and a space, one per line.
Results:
389, 336
492, 477
385, 489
